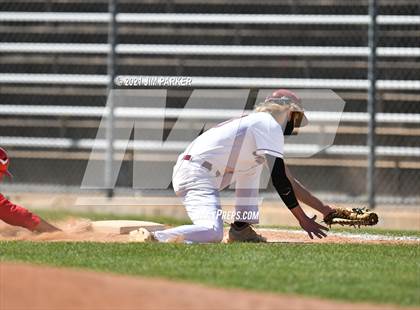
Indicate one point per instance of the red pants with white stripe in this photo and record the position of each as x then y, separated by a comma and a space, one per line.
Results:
16, 215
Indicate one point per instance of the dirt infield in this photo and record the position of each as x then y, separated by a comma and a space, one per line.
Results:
78, 230
33, 287
271, 211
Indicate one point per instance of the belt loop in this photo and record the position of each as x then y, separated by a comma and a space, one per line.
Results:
206, 164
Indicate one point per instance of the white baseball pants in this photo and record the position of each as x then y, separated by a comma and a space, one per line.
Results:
199, 189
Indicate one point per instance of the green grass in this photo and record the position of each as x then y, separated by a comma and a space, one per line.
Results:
353, 272
375, 273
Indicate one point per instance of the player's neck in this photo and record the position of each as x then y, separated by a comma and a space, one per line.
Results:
281, 118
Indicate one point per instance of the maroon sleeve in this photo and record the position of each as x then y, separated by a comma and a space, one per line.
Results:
16, 215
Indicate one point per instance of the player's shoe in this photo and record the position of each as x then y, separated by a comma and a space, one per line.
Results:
141, 235
244, 234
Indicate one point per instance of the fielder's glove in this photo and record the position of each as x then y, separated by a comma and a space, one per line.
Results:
351, 217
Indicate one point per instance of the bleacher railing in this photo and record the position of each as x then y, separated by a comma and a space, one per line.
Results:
204, 81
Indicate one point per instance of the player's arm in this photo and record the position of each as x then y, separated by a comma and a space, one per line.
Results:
286, 192
19, 216
305, 196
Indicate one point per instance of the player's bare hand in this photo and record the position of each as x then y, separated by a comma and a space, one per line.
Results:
44, 227
312, 227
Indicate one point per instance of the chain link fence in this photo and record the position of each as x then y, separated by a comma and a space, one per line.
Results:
54, 54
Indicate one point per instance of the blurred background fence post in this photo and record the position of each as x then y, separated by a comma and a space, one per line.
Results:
371, 103
112, 39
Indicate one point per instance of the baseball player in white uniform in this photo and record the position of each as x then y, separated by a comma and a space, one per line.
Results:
235, 152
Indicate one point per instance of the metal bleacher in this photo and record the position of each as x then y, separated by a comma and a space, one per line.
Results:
53, 75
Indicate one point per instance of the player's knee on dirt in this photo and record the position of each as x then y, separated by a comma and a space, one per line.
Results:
215, 234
